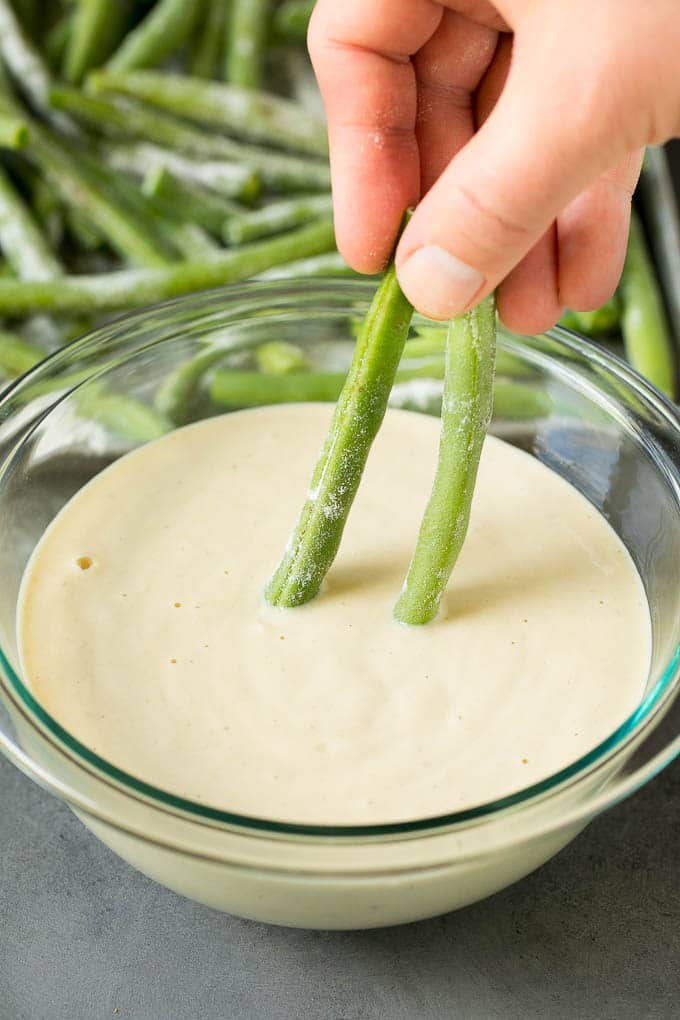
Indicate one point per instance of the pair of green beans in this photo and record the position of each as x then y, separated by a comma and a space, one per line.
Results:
360, 409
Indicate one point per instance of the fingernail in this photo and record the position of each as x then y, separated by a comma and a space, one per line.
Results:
438, 283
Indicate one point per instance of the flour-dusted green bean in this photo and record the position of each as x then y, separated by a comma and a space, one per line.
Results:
275, 217
358, 415
21, 239
26, 65
125, 416
133, 288
96, 27
277, 357
126, 117
160, 33
248, 113
210, 39
190, 200
329, 264
466, 411
247, 37
88, 188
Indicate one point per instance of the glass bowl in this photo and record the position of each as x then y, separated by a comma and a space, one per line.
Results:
570, 404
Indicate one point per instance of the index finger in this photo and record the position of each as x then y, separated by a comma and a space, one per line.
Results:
361, 54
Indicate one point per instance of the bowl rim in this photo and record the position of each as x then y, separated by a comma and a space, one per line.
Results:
632, 728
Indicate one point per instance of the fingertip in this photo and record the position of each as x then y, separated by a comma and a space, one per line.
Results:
366, 242
593, 235
527, 320
438, 284
375, 176
525, 305
361, 260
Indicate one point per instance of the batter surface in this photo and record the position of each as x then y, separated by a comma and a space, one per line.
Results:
144, 632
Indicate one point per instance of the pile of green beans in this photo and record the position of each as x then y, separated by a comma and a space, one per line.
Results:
152, 148
148, 150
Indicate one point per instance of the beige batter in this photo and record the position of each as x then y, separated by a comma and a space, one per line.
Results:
144, 631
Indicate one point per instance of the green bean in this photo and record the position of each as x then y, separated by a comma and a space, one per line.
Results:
26, 240
176, 393
233, 388
644, 325
357, 418
97, 27
21, 239
160, 33
127, 417
133, 288
28, 250
512, 401
231, 180
291, 20
179, 237
210, 39
276, 357
427, 340
520, 401
86, 186
14, 132
423, 346
275, 217
236, 388
604, 321
17, 355
120, 116
116, 116
26, 65
259, 116
205, 190
466, 411
248, 27
432, 340
329, 264
189, 200
192, 241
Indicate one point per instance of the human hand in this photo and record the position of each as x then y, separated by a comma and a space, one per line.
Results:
517, 126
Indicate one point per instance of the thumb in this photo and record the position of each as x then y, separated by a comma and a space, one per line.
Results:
546, 139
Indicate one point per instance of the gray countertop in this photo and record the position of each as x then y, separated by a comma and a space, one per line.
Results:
595, 933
